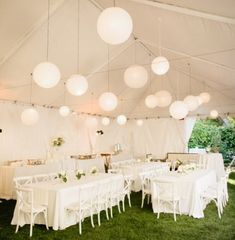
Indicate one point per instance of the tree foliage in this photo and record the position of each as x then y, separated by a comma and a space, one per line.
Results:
215, 135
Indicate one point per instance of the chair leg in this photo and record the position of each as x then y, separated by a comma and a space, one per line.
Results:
111, 211
174, 207
107, 213
148, 198
99, 217
17, 228
45, 216
31, 225
129, 199
142, 203
123, 204
118, 204
80, 226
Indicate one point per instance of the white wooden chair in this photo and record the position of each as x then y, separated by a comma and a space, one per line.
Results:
145, 186
102, 199
85, 204
128, 180
26, 206
216, 193
114, 196
166, 193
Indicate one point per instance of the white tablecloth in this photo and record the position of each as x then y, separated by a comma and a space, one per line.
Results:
57, 196
7, 173
214, 161
189, 187
139, 167
87, 164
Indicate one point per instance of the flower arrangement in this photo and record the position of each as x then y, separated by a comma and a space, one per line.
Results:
62, 176
79, 174
94, 170
57, 142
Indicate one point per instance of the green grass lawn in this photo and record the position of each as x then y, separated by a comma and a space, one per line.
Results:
135, 223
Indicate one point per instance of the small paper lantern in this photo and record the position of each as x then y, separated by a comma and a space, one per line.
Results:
46, 75
151, 101
178, 110
205, 97
29, 116
105, 121
164, 98
114, 25
64, 111
214, 114
191, 102
160, 65
121, 119
199, 100
139, 122
135, 76
108, 101
77, 85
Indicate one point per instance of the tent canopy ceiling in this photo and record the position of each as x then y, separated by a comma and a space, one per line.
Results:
196, 33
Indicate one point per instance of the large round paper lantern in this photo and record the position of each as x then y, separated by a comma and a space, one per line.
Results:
214, 114
114, 25
178, 110
139, 122
108, 101
64, 111
105, 121
46, 75
205, 97
135, 76
160, 65
91, 122
164, 98
151, 101
191, 102
121, 119
77, 85
29, 116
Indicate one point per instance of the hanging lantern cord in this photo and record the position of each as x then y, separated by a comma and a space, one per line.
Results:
48, 28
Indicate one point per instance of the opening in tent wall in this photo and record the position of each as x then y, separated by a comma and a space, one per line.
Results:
20, 142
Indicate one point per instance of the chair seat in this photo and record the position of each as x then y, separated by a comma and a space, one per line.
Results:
210, 193
36, 209
76, 206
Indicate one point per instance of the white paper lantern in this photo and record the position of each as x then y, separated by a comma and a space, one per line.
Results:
91, 122
205, 97
46, 75
64, 111
178, 110
77, 85
164, 98
108, 101
191, 102
160, 65
151, 101
114, 25
135, 76
121, 119
105, 121
139, 122
29, 116
214, 114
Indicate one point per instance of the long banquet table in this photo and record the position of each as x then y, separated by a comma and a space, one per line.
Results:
189, 186
58, 195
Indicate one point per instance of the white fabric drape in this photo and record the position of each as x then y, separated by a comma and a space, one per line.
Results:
156, 136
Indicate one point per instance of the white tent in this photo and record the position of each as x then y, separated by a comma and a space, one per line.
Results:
197, 37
